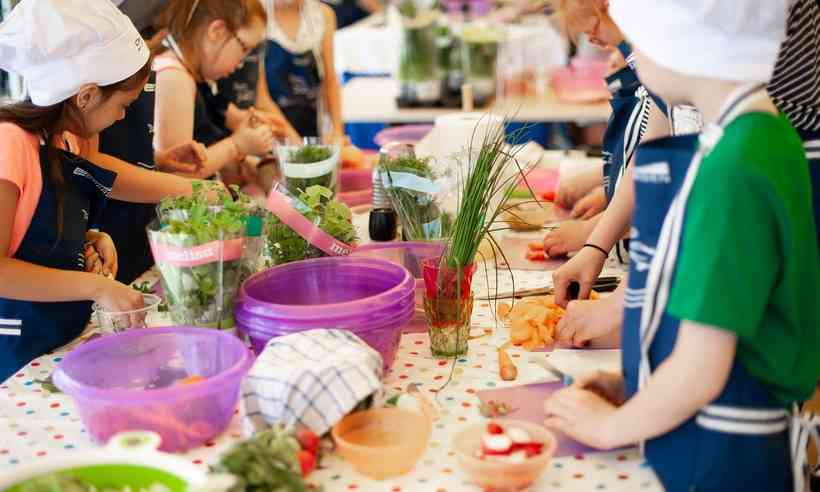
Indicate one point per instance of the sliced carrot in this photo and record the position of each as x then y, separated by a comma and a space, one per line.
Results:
536, 256
190, 380
536, 246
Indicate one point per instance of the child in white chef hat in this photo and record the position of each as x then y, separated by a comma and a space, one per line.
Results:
720, 334
83, 63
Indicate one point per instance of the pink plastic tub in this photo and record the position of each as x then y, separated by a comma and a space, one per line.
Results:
369, 297
409, 134
148, 380
582, 81
355, 186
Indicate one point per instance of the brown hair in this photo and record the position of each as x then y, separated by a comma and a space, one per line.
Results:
187, 21
569, 13
48, 122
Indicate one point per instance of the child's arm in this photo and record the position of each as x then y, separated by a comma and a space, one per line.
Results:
689, 379
265, 103
40, 284
330, 82
174, 123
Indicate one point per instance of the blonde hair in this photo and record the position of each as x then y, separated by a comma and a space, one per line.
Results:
187, 21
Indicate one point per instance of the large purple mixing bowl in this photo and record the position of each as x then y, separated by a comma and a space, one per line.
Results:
149, 380
369, 297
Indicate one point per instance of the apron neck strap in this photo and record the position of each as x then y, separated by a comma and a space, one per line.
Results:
735, 105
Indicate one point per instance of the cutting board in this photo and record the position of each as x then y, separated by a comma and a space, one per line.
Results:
515, 249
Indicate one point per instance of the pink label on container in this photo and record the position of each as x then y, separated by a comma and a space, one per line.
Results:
279, 205
197, 255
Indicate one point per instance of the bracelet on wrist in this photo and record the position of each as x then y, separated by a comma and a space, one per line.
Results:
596, 247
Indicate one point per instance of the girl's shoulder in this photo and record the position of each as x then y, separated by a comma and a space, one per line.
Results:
11, 134
168, 61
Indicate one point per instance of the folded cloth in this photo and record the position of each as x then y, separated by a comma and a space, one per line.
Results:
312, 379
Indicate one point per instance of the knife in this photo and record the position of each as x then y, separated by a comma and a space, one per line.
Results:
544, 363
603, 284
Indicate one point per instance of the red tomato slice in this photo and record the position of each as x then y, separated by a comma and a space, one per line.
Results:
536, 246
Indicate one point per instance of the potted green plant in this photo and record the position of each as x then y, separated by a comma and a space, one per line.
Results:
479, 58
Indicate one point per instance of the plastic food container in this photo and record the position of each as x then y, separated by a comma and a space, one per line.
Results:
572, 86
408, 134
355, 186
128, 460
117, 322
503, 476
384, 442
369, 297
180, 382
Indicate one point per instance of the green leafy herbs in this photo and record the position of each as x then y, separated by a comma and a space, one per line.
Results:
203, 294
490, 175
421, 218
59, 482
418, 58
268, 462
318, 206
310, 154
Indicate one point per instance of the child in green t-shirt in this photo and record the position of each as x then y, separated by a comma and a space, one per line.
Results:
721, 323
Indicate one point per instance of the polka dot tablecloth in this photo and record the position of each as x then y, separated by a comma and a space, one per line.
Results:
35, 424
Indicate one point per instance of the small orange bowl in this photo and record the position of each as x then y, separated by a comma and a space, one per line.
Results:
382, 443
500, 476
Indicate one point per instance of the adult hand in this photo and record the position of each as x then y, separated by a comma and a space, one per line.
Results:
187, 158
583, 268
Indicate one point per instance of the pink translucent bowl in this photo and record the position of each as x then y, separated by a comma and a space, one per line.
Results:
136, 381
355, 187
574, 87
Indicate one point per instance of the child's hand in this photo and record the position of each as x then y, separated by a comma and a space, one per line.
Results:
568, 193
104, 247
583, 268
277, 124
252, 138
188, 158
568, 237
117, 297
586, 320
590, 205
607, 385
581, 415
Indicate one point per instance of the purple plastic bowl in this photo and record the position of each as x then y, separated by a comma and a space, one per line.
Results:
131, 381
370, 297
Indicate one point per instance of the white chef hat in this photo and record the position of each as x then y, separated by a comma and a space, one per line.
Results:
734, 40
58, 46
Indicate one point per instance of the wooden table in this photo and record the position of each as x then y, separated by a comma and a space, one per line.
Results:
372, 100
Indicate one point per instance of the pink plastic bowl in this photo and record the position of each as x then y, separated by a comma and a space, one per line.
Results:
133, 381
355, 187
409, 134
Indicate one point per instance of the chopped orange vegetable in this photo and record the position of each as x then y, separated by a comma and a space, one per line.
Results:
190, 380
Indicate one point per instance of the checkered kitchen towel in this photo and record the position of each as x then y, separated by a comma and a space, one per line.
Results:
313, 378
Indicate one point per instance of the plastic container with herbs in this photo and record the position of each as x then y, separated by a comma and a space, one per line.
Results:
418, 71
479, 59
310, 164
319, 212
198, 249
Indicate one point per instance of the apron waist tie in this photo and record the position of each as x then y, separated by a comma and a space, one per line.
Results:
743, 420
803, 427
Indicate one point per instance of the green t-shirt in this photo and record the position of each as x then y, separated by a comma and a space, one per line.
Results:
749, 260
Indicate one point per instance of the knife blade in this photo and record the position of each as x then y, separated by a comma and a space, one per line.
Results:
603, 284
546, 365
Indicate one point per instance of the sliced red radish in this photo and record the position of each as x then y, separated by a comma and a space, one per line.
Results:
518, 457
496, 444
493, 428
518, 436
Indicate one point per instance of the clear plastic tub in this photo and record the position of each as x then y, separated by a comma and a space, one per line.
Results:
180, 382
369, 297
120, 321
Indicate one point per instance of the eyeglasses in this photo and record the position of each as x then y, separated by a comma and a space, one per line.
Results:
246, 50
